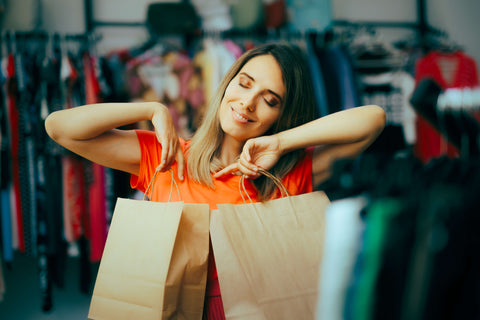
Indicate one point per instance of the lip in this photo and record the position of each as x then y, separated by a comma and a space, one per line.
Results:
240, 117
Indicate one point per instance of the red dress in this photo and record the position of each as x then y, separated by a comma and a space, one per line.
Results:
449, 70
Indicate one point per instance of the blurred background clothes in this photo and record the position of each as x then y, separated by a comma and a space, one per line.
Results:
408, 202
309, 14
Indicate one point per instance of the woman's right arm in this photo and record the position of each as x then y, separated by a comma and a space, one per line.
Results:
90, 131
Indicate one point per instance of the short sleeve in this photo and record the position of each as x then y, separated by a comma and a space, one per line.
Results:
299, 180
150, 158
151, 154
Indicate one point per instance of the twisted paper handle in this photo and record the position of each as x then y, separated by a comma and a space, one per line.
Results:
277, 181
150, 185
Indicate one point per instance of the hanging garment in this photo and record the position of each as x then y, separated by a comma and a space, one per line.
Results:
51, 248
393, 95
340, 85
2, 281
247, 14
307, 15
15, 145
317, 78
419, 249
391, 91
275, 13
457, 125
168, 75
96, 188
363, 298
72, 168
25, 65
215, 14
449, 70
343, 229
5, 180
7, 246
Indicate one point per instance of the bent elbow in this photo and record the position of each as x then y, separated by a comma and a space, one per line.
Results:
379, 119
52, 126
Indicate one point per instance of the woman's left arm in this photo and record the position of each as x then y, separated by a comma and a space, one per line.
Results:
341, 135
344, 134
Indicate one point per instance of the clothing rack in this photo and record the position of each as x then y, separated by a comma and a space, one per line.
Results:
422, 26
44, 35
10, 40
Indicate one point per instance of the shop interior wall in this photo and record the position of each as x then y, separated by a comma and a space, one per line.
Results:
458, 18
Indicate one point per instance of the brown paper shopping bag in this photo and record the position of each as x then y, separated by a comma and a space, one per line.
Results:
154, 265
268, 256
187, 275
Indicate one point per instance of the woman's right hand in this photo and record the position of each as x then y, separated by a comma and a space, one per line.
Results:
168, 138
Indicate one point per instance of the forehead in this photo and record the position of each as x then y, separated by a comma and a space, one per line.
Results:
266, 72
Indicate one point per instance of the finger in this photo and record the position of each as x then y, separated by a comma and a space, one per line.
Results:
227, 170
172, 151
247, 168
163, 157
180, 163
165, 152
249, 145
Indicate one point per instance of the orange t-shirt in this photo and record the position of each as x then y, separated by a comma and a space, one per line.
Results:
297, 181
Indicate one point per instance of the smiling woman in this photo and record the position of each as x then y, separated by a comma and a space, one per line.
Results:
251, 103
261, 117
273, 73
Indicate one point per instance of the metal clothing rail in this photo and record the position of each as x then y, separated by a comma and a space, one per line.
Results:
422, 25
44, 35
91, 23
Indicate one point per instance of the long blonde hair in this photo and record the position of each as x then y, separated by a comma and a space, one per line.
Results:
297, 108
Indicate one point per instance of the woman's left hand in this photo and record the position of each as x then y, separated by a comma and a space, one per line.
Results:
262, 152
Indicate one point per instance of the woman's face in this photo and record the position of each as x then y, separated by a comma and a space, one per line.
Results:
252, 100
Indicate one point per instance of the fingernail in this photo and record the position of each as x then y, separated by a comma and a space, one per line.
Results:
181, 178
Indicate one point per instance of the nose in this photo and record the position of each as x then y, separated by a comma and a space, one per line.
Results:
248, 102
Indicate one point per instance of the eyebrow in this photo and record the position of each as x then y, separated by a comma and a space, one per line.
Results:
271, 91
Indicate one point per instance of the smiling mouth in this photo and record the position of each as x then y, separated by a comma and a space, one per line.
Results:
239, 117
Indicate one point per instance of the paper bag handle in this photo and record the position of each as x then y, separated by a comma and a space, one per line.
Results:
150, 185
276, 181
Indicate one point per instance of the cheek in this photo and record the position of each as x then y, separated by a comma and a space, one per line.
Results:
270, 117
230, 92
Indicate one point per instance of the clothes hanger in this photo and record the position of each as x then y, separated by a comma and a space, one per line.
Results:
371, 53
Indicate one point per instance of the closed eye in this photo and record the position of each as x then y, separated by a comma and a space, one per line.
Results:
244, 82
272, 102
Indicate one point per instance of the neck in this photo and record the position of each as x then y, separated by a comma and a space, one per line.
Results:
230, 151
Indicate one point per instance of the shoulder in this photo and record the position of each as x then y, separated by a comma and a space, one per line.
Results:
299, 179
304, 162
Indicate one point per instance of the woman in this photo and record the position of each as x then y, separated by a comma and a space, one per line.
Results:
262, 117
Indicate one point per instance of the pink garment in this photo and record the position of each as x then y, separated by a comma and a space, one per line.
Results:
183, 67
233, 48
